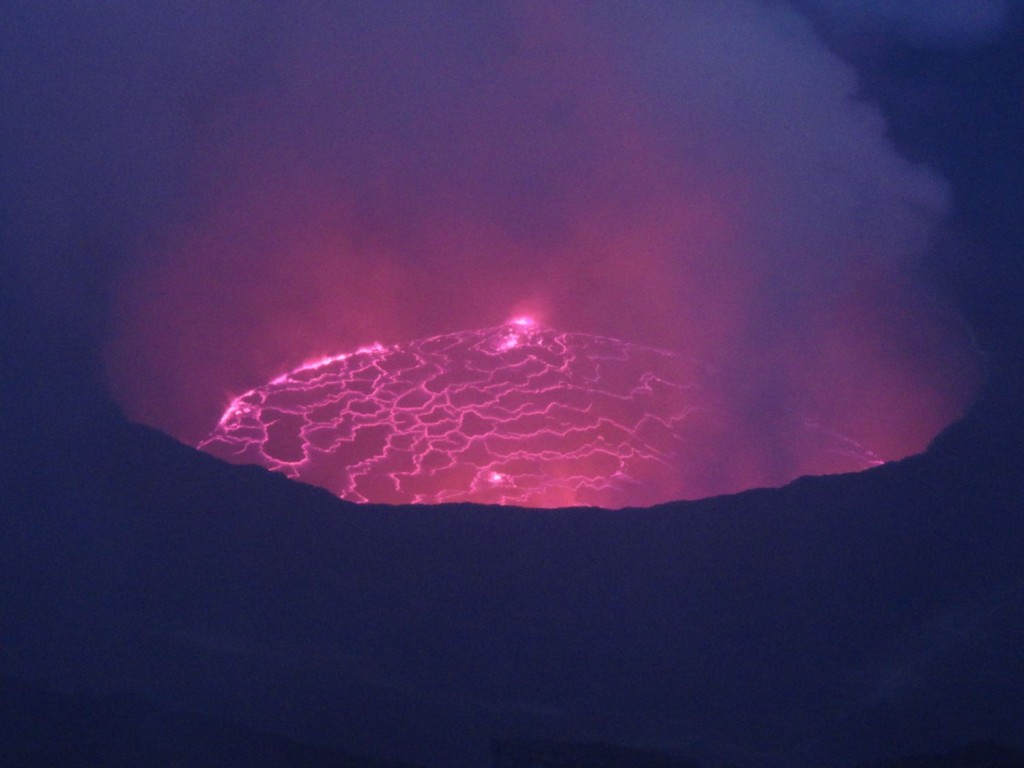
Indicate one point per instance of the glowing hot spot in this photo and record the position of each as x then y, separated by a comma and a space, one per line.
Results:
515, 414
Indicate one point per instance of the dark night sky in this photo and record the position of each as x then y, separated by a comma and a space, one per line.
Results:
810, 197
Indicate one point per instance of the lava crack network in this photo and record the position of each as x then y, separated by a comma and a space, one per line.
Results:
515, 414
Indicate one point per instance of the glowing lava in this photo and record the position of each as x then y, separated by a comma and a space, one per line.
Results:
515, 414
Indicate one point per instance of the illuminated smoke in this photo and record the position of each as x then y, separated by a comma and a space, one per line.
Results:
515, 414
700, 177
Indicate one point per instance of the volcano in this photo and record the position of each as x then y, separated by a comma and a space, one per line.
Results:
513, 414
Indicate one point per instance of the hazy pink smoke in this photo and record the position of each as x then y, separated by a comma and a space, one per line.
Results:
697, 176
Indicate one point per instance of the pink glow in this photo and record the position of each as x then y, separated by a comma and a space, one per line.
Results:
698, 177
515, 414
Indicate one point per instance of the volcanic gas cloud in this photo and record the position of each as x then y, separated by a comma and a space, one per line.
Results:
699, 177
517, 414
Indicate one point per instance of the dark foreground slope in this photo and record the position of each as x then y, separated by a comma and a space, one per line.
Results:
839, 620
40, 727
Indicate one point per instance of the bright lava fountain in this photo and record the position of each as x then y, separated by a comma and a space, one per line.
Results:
514, 414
